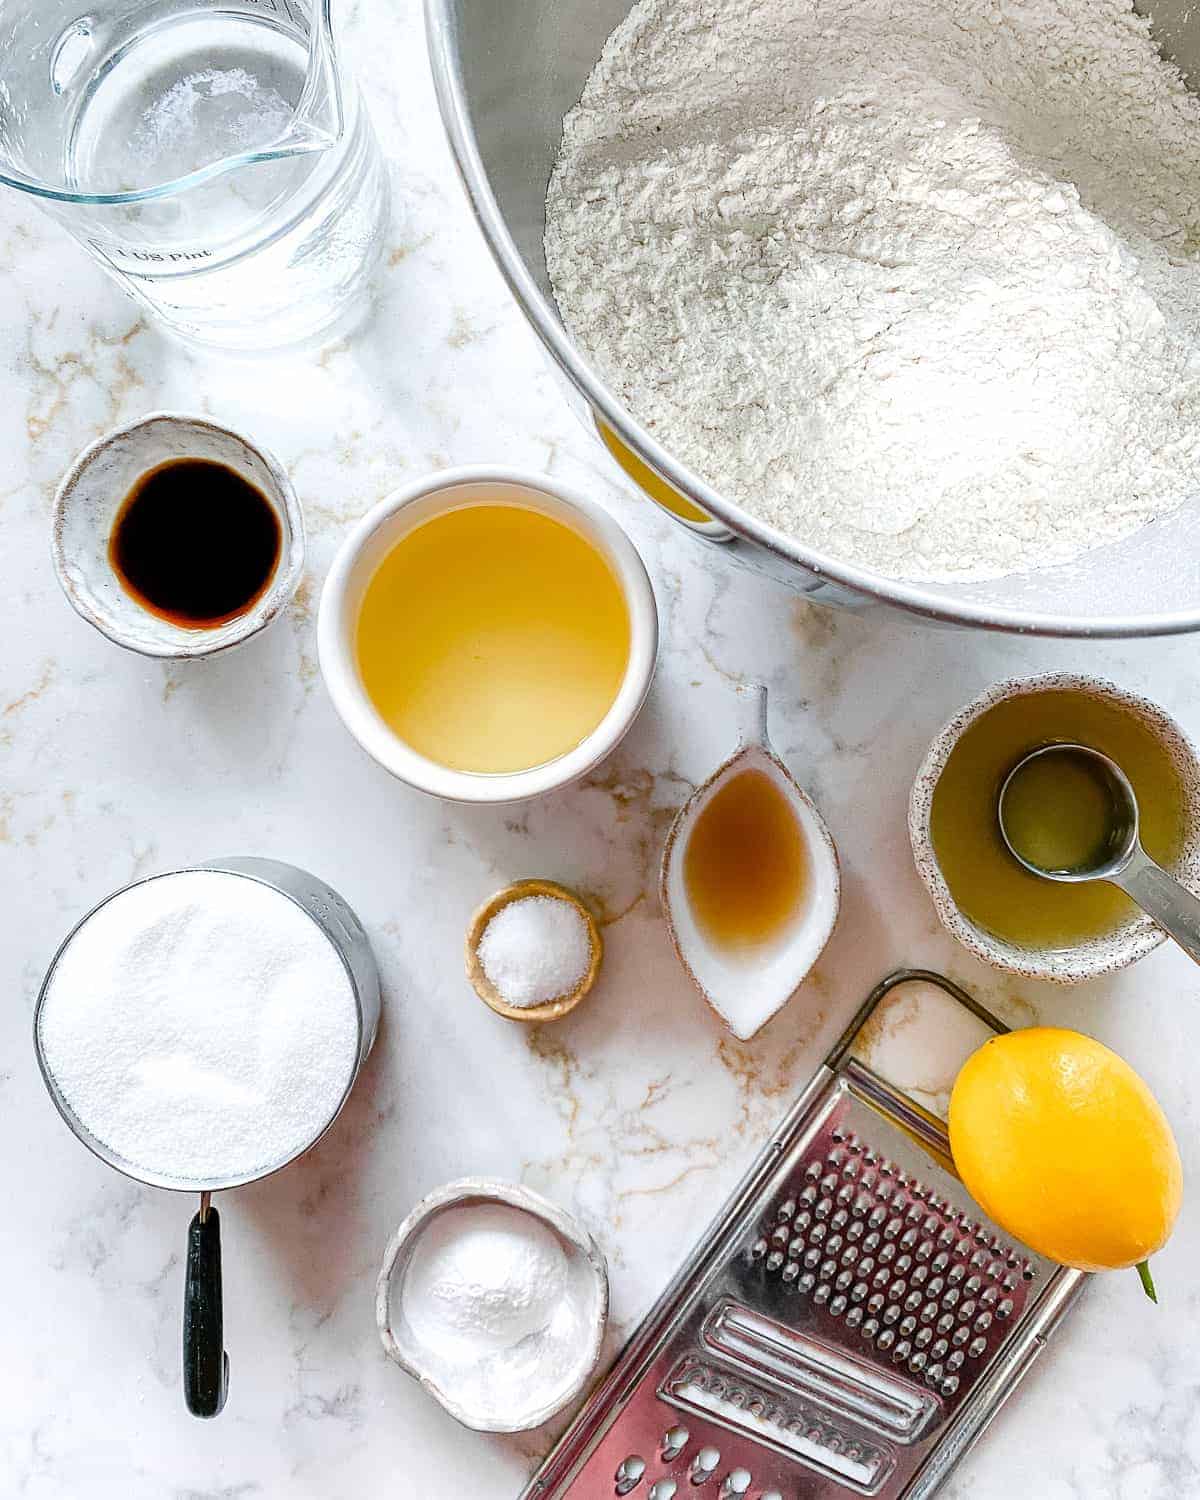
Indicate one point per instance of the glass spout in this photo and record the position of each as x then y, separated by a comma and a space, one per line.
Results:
132, 103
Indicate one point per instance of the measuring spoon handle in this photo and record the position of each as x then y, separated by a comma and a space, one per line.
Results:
1163, 898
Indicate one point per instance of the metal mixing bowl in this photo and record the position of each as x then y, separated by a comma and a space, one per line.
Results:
506, 72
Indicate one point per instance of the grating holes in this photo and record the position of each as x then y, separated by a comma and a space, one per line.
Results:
956, 1360
833, 1244
774, 1260
806, 1282
949, 1385
976, 1348
663, 1489
674, 1442
870, 1328
813, 1171
956, 1273
887, 1253
983, 1322
903, 1264
966, 1310
885, 1340
791, 1271
920, 1275
821, 1295
845, 1280
935, 1287
854, 1230
908, 1326
818, 1233
840, 1219
959, 1337
923, 1338
858, 1291
933, 1374
866, 1266
758, 1249
780, 1234
787, 1209
917, 1363
837, 1306
850, 1255
854, 1317
912, 1302
974, 1286
629, 1474
1005, 1308
950, 1299
704, 1465
939, 1350
823, 1208
812, 1257
737, 1482
796, 1248
901, 1352
909, 1238
891, 1313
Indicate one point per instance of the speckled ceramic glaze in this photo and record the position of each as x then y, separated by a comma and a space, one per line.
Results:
86, 506
1098, 956
401, 1346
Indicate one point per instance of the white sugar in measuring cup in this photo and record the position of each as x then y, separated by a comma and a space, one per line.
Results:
210, 154
205, 1363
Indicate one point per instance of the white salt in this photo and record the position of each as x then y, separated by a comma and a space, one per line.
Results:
201, 1026
535, 950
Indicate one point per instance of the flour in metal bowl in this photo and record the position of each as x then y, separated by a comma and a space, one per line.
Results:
918, 285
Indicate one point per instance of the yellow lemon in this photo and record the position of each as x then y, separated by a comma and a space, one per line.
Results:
1062, 1144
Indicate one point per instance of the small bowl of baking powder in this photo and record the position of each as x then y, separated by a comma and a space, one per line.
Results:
496, 1301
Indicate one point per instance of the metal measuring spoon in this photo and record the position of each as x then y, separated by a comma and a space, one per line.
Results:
1120, 858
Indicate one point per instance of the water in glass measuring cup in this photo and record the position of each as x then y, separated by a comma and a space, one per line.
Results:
211, 155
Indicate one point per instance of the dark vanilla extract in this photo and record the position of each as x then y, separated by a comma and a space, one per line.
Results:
195, 543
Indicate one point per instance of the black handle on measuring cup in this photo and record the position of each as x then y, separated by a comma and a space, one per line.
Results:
205, 1363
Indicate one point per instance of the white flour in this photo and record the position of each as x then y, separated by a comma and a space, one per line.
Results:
915, 282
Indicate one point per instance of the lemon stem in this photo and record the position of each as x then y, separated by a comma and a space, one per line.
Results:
1143, 1271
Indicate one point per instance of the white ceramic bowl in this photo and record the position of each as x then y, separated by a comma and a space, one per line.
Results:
86, 506
1097, 956
589, 1278
375, 536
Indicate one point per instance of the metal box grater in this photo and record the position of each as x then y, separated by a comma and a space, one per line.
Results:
848, 1326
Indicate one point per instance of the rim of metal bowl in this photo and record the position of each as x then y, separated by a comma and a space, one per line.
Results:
112, 1158
451, 96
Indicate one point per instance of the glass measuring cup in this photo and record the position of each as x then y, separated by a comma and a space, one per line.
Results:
210, 154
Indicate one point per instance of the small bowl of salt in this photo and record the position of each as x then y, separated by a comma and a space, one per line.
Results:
496, 1301
533, 951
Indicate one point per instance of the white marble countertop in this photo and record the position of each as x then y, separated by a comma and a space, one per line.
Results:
637, 1113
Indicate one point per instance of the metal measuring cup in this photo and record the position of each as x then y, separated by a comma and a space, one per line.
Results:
205, 1362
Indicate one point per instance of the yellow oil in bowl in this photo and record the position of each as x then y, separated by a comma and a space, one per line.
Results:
987, 884
493, 638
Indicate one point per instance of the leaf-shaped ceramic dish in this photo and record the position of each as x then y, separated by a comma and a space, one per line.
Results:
746, 984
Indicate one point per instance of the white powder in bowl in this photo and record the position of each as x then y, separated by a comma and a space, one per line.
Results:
497, 1310
489, 1274
535, 950
201, 1026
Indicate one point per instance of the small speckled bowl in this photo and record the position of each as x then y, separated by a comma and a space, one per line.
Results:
402, 1345
92, 493
1098, 956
